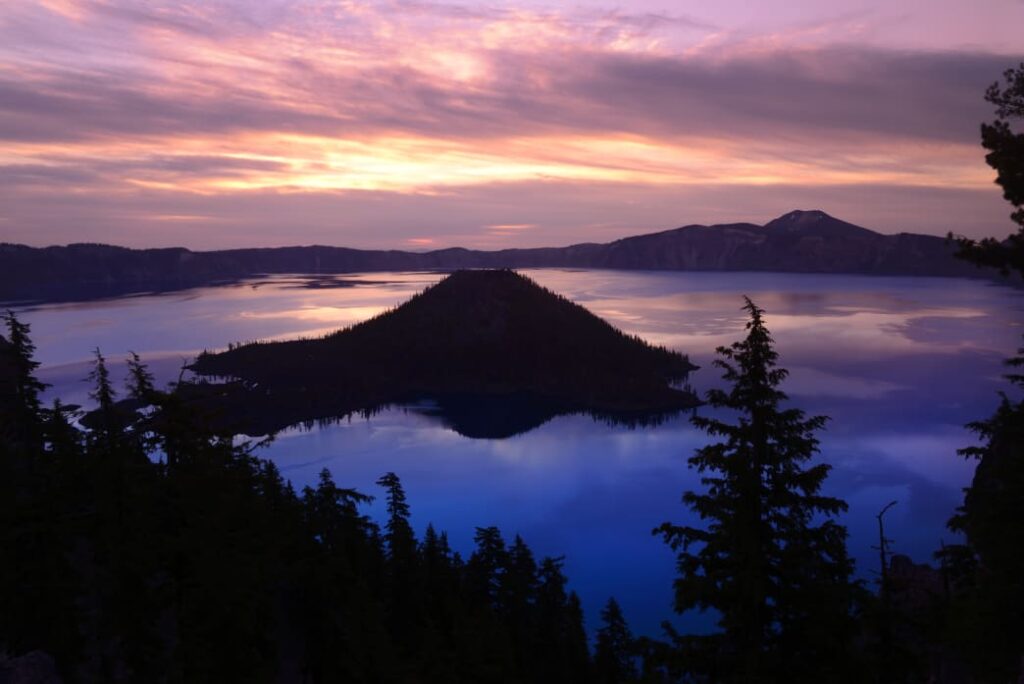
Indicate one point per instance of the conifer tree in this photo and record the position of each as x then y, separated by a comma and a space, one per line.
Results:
771, 561
210, 568
483, 641
487, 565
62, 438
520, 578
518, 600
989, 613
614, 652
140, 380
436, 555
404, 595
440, 582
398, 532
107, 426
38, 584
103, 391
1006, 155
577, 649
561, 645
21, 418
333, 514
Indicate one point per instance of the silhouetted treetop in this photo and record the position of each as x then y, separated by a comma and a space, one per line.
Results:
769, 557
166, 552
1006, 155
19, 387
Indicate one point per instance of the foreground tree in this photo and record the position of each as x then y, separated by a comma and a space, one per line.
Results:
182, 557
770, 561
19, 403
992, 561
987, 614
615, 650
1005, 155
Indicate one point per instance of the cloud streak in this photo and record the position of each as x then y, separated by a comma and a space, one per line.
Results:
106, 101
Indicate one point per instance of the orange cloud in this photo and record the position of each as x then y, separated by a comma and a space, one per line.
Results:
104, 99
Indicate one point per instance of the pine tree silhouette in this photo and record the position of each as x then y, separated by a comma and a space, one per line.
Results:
988, 610
1006, 155
182, 557
771, 560
615, 651
20, 411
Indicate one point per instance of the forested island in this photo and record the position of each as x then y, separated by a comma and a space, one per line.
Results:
496, 353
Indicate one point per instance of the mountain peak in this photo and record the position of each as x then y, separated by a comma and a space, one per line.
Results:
815, 222
804, 216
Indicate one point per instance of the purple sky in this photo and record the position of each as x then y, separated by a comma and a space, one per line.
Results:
220, 123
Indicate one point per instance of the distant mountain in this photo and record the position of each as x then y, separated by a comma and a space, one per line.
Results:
800, 242
490, 350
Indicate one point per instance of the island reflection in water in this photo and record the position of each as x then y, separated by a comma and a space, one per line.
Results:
503, 416
900, 364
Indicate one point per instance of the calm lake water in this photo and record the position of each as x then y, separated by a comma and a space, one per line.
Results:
899, 364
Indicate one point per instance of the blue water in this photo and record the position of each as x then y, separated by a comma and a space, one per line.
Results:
899, 364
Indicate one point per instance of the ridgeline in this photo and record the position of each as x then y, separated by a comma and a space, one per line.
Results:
797, 242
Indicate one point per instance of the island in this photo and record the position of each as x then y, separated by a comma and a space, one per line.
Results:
490, 352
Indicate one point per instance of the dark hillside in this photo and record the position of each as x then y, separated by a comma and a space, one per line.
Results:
798, 242
493, 334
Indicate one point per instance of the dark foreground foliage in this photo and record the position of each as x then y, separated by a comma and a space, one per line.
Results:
984, 576
164, 551
770, 559
170, 553
1005, 154
987, 571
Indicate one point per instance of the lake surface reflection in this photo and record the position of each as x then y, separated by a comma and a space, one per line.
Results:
900, 364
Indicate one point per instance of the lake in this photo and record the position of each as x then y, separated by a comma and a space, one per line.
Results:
899, 364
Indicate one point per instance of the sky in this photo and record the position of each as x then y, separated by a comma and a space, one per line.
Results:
415, 124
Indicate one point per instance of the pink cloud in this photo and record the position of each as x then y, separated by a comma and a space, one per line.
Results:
198, 108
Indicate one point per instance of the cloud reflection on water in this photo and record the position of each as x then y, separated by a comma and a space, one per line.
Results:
900, 364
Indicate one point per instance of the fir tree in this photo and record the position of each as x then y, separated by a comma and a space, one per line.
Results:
770, 560
440, 582
615, 650
1005, 155
518, 599
487, 565
484, 643
990, 611
21, 416
404, 595
103, 391
989, 568
106, 423
578, 667
398, 532
140, 380
561, 646
62, 438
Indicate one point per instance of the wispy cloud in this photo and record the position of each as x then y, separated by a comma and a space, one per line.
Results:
106, 101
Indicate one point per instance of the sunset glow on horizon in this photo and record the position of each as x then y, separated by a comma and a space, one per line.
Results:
425, 124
